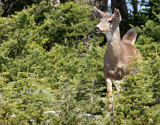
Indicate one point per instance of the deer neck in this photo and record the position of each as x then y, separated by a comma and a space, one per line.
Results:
114, 48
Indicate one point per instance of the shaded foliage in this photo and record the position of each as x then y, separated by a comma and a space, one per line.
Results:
10, 6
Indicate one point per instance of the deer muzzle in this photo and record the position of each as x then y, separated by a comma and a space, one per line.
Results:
97, 29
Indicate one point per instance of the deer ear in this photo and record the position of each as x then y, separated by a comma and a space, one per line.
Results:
117, 15
99, 13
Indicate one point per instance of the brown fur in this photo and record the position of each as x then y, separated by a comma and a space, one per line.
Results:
118, 54
130, 37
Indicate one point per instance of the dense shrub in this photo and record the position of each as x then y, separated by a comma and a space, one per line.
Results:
52, 70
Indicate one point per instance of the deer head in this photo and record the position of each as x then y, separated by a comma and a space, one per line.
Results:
108, 23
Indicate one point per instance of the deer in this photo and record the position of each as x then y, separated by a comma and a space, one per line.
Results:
119, 52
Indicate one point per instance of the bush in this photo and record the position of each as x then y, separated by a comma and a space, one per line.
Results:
52, 68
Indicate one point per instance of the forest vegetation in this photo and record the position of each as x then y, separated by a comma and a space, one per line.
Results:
51, 64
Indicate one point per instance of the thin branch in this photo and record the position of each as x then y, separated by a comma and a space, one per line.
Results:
66, 97
92, 90
19, 34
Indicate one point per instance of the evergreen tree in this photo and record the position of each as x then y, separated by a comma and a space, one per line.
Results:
52, 69
54, 66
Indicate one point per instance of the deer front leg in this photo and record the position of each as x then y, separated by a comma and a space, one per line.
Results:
109, 90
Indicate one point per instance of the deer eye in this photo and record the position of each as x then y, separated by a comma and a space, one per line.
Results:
110, 21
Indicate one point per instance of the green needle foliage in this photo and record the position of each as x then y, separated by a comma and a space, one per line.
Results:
52, 66
141, 96
52, 70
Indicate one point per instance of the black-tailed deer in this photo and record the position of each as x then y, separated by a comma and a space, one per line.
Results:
119, 52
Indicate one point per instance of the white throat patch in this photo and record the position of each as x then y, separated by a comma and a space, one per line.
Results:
109, 36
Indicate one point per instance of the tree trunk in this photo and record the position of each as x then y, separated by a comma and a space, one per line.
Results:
135, 7
104, 5
122, 6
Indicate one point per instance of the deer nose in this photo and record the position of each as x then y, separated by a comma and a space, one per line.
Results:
96, 29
